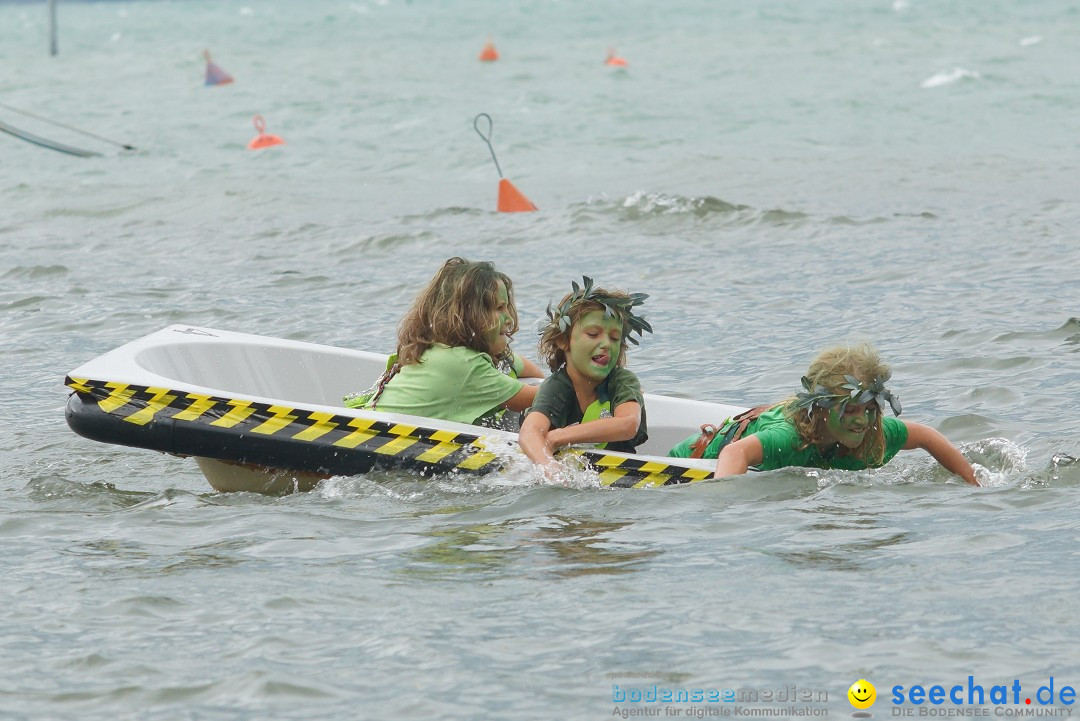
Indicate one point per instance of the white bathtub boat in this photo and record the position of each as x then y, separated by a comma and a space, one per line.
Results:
264, 414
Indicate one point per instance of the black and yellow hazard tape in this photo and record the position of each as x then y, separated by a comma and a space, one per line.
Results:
277, 436
623, 472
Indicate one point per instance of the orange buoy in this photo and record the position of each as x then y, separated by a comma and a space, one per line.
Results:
262, 140
614, 60
511, 200
214, 74
489, 54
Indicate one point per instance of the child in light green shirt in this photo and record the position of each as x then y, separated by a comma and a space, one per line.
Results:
449, 343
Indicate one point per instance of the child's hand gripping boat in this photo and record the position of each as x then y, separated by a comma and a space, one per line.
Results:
264, 414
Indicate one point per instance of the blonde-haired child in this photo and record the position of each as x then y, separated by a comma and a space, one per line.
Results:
590, 397
836, 422
451, 344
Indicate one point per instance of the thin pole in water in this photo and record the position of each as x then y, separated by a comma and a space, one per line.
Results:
52, 27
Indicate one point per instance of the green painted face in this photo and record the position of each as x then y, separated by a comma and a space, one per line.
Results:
496, 337
849, 428
595, 344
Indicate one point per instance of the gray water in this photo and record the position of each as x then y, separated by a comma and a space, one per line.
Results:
778, 176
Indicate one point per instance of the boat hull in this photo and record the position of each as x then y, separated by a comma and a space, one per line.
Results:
260, 434
279, 434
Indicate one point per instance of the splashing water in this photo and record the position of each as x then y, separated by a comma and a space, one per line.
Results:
995, 460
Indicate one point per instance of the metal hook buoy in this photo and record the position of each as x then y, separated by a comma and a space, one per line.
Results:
487, 138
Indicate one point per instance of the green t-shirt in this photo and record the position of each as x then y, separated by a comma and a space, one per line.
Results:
556, 400
780, 444
454, 384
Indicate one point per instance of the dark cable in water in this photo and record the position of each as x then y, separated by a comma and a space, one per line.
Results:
125, 146
45, 142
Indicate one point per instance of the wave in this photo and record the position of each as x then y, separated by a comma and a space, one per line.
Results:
443, 212
643, 205
948, 77
1069, 332
34, 272
391, 241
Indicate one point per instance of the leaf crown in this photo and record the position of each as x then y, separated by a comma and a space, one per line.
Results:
853, 391
620, 306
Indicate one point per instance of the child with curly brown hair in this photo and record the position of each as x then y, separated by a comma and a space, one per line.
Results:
590, 397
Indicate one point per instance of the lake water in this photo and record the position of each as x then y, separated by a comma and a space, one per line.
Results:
777, 175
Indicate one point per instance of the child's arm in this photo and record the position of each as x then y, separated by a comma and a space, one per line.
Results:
533, 438
622, 426
937, 445
736, 458
539, 441
523, 399
529, 369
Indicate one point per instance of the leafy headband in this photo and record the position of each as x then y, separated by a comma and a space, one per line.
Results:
614, 307
854, 391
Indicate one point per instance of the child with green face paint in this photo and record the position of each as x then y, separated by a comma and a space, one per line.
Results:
453, 358
590, 397
836, 422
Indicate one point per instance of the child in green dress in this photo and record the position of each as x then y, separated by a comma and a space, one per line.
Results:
590, 397
836, 422
453, 358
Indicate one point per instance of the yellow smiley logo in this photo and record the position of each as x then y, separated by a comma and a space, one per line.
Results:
862, 694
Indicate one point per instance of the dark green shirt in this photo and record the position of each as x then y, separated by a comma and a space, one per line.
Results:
556, 400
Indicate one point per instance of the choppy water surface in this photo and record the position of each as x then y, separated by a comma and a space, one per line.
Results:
778, 176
